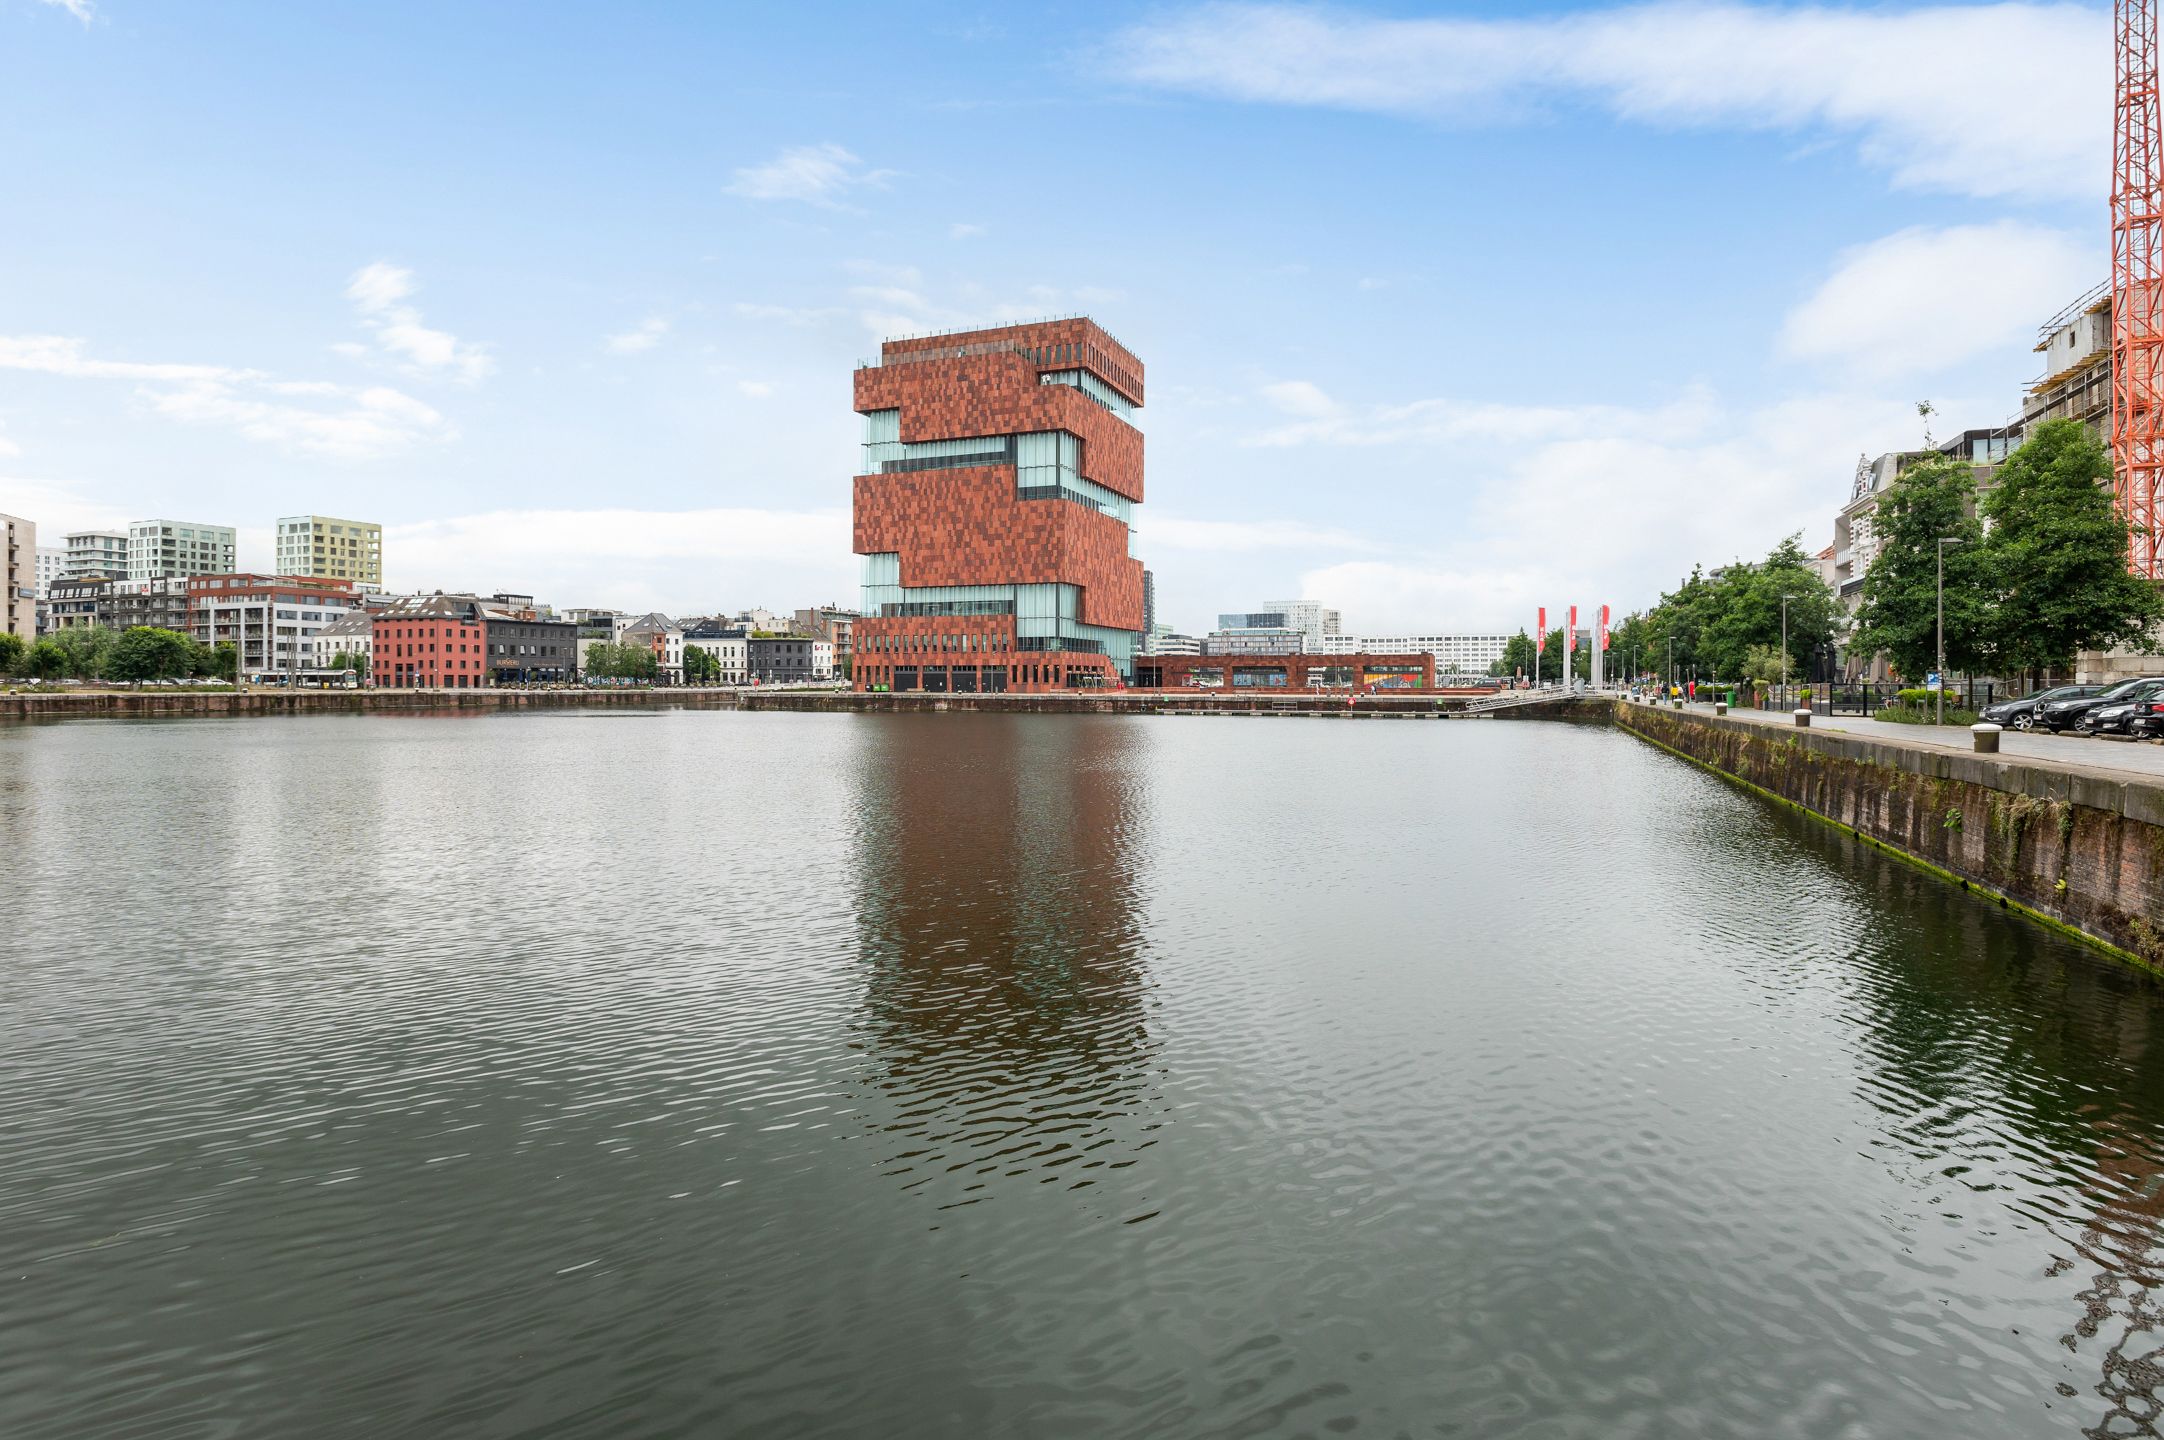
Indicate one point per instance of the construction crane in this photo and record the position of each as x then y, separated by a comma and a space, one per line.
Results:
2137, 286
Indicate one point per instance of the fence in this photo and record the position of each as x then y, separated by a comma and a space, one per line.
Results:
1838, 697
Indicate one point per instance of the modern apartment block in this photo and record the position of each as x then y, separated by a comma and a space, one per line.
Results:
19, 570
95, 555
1454, 654
1001, 470
179, 547
330, 548
2076, 383
273, 619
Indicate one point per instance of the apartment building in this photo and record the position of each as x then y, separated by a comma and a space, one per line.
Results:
179, 547
19, 571
328, 548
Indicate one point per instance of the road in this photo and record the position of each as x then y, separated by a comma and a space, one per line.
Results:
2123, 758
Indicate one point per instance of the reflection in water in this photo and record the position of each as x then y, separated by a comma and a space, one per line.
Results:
1005, 1009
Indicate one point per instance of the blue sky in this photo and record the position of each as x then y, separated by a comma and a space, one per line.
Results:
1448, 311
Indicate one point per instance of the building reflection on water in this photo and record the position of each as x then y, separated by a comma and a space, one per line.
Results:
1005, 1016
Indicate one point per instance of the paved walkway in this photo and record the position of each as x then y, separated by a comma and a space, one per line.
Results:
2120, 758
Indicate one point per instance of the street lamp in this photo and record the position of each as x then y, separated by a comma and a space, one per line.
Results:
1671, 662
1784, 639
1939, 695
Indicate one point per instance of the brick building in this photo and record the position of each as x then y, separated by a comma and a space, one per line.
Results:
1001, 468
1294, 671
431, 642
273, 619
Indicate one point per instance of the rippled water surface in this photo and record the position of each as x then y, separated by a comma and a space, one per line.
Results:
696, 1073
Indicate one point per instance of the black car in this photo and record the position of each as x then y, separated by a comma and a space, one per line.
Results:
2021, 714
2056, 715
2147, 721
2112, 719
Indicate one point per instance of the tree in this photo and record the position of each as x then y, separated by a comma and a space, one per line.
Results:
354, 660
1899, 614
215, 661
46, 661
85, 649
1517, 656
12, 651
145, 652
621, 662
2057, 551
1743, 613
701, 666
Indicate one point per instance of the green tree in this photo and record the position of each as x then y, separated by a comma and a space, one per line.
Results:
621, 662
1517, 656
2057, 550
1743, 613
145, 652
354, 660
85, 648
1899, 614
12, 651
701, 667
215, 661
46, 661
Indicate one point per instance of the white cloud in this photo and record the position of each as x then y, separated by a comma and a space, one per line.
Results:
1319, 419
59, 509
1172, 532
961, 230
1924, 300
815, 174
1989, 100
756, 389
676, 561
378, 291
82, 10
351, 423
645, 337
791, 314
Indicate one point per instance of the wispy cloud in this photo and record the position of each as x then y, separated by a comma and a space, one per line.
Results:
756, 389
645, 336
962, 230
1316, 418
315, 417
1924, 300
379, 292
814, 174
1990, 100
82, 10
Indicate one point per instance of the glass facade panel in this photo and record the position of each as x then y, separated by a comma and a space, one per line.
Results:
1095, 388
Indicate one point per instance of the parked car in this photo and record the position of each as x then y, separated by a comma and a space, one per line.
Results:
2021, 714
2112, 719
2147, 721
2059, 715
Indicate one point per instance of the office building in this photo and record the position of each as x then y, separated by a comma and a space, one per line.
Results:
526, 647
789, 659
1001, 470
430, 642
1454, 654
179, 547
1149, 604
328, 548
95, 555
52, 564
19, 571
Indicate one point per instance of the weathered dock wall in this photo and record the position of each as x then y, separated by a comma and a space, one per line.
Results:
2080, 850
63, 704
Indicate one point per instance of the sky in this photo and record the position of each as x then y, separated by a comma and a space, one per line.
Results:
1448, 311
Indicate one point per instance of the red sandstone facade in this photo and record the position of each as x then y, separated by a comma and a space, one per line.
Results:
936, 515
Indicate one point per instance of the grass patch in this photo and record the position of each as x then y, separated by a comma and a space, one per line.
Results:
1911, 715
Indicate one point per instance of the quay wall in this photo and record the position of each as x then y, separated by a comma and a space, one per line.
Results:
2081, 851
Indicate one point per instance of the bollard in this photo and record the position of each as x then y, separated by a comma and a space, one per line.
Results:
1803, 719
1720, 707
1679, 702
1987, 738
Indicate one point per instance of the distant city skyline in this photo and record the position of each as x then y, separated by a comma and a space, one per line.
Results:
1446, 317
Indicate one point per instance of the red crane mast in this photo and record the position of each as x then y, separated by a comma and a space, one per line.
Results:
2137, 285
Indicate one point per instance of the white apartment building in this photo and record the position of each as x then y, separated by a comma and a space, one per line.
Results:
19, 572
279, 627
52, 564
1170, 642
1317, 622
731, 651
179, 547
1454, 654
328, 548
92, 554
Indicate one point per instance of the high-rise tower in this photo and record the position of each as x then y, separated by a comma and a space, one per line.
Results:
1001, 471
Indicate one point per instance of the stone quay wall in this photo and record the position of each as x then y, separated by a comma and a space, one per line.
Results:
2077, 849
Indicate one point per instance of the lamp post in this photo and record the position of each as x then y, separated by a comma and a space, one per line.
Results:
1784, 639
1671, 662
1939, 695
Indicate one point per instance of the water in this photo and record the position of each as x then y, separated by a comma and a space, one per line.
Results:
696, 1073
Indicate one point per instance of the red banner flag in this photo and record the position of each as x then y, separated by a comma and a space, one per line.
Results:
1570, 633
1603, 641
1540, 633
